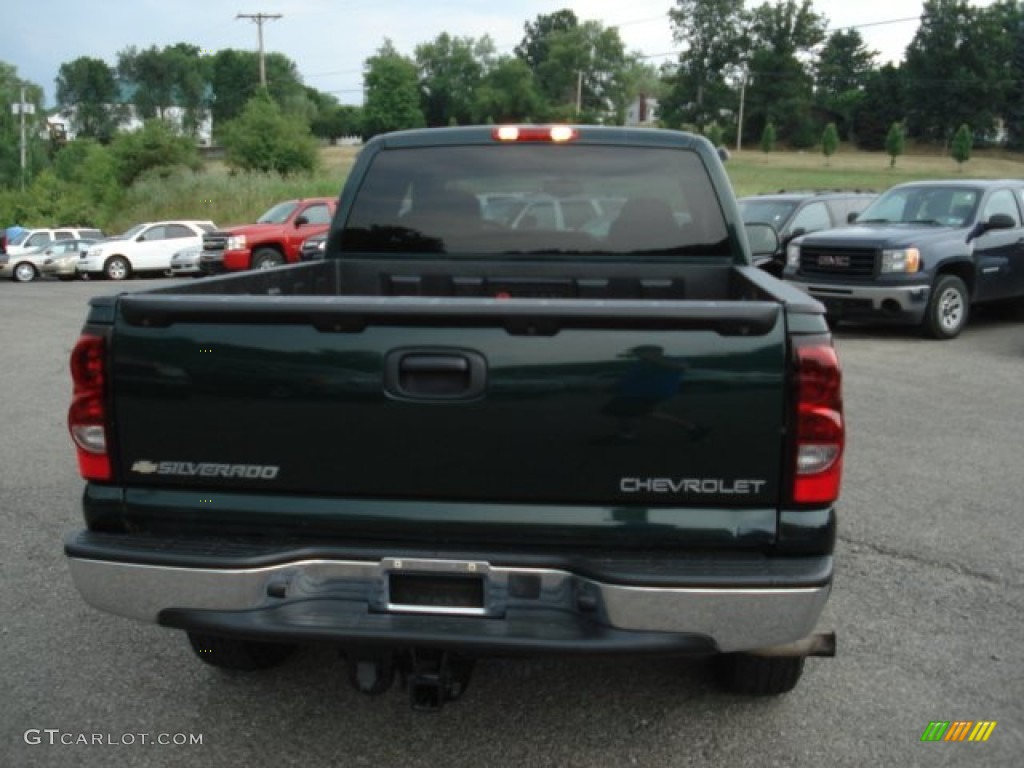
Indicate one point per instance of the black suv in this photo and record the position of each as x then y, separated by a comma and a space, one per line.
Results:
922, 253
795, 213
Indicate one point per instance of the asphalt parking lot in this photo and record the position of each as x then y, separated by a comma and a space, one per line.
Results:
928, 606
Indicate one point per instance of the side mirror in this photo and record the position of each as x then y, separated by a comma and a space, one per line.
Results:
300, 221
763, 239
852, 216
1000, 221
793, 235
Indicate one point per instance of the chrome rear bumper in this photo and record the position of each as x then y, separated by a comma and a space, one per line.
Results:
352, 600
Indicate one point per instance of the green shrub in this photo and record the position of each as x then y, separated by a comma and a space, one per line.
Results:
263, 139
156, 146
894, 141
961, 146
829, 141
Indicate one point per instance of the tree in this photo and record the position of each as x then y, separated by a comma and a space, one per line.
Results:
450, 71
842, 72
712, 32
264, 139
191, 93
507, 94
89, 166
768, 138
1015, 93
583, 76
156, 147
952, 77
338, 122
86, 90
170, 82
150, 78
884, 103
829, 141
392, 93
961, 146
894, 143
235, 81
782, 36
534, 47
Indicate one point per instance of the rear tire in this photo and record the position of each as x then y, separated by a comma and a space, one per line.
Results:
751, 675
233, 653
947, 309
266, 258
24, 272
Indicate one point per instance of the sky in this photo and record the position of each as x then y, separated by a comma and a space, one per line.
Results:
330, 39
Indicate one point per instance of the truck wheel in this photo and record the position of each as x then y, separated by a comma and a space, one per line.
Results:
947, 311
232, 653
265, 258
751, 675
116, 268
24, 272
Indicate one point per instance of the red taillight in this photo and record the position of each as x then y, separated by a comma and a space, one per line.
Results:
820, 432
87, 420
552, 133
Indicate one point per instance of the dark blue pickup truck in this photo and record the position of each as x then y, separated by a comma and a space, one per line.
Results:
452, 437
921, 254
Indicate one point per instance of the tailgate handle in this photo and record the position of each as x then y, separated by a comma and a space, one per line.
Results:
421, 374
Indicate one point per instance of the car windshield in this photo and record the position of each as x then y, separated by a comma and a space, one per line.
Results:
429, 200
20, 238
774, 212
132, 232
935, 205
279, 213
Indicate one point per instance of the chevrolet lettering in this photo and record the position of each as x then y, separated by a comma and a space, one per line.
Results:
461, 434
690, 485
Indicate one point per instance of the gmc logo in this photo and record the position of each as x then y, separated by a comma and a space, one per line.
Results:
831, 260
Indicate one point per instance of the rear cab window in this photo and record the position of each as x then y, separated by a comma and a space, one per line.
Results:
472, 200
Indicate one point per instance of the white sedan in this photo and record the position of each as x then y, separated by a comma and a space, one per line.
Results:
143, 248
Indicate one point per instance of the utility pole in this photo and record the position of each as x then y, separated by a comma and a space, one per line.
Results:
259, 18
22, 108
739, 122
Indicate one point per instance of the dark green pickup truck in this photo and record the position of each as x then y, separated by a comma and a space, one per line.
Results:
452, 437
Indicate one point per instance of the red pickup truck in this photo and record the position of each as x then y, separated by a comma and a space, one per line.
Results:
274, 239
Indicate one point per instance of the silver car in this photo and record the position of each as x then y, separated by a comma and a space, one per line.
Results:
58, 258
186, 262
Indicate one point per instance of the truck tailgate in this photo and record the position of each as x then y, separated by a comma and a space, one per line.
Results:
639, 403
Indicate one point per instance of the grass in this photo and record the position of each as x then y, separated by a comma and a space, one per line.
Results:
228, 199
754, 172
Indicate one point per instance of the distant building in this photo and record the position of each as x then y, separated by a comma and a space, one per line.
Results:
643, 111
63, 120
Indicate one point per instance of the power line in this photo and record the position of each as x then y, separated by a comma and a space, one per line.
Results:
259, 18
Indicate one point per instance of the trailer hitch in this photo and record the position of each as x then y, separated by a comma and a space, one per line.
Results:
434, 677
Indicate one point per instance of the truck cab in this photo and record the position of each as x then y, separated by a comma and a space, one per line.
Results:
275, 239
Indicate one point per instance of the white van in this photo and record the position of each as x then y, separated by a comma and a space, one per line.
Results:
31, 239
